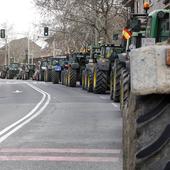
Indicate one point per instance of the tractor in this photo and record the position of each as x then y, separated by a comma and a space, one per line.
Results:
13, 70
73, 71
41, 69
4, 71
87, 78
59, 63
145, 94
97, 72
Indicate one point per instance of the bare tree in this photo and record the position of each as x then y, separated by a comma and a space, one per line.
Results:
83, 22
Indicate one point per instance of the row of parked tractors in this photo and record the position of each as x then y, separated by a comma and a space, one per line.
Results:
137, 78
98, 70
18, 71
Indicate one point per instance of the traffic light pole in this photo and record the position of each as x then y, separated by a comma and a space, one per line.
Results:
28, 50
7, 52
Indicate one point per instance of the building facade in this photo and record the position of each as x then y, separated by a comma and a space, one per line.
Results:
18, 51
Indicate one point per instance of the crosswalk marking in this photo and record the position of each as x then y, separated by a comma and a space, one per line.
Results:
21, 154
58, 150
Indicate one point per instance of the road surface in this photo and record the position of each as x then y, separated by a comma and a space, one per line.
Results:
51, 127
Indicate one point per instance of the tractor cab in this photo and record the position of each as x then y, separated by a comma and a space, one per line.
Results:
111, 51
158, 25
95, 52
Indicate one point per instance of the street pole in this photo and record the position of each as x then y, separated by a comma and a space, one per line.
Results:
54, 46
28, 49
8, 56
6, 51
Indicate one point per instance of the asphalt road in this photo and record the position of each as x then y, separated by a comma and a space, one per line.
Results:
51, 127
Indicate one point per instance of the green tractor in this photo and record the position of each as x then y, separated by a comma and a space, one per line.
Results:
59, 63
52, 72
97, 72
48, 69
13, 70
87, 74
73, 71
145, 96
41, 69
4, 71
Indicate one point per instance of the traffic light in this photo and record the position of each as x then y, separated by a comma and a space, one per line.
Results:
2, 33
45, 31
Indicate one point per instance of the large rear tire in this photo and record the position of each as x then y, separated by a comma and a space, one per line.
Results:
99, 81
45, 76
66, 78
146, 133
72, 77
116, 73
90, 81
55, 77
41, 77
124, 88
62, 77
26, 76
83, 80
49, 72
111, 84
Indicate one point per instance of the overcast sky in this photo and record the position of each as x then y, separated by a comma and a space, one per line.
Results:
19, 13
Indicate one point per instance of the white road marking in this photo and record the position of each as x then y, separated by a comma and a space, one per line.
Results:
115, 105
30, 116
17, 91
104, 97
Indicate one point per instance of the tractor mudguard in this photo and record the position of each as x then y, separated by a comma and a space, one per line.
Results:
103, 65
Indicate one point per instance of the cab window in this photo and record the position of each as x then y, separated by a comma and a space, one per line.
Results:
148, 27
163, 28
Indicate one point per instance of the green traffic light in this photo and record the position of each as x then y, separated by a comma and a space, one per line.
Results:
45, 31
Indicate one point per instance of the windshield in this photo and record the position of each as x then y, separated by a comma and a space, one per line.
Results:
44, 63
58, 61
149, 27
14, 65
163, 28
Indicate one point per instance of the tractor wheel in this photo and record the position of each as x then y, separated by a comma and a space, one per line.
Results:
10, 75
72, 77
45, 75
99, 81
83, 79
49, 72
55, 77
116, 73
146, 133
111, 85
90, 81
62, 77
124, 88
66, 78
41, 77
26, 76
